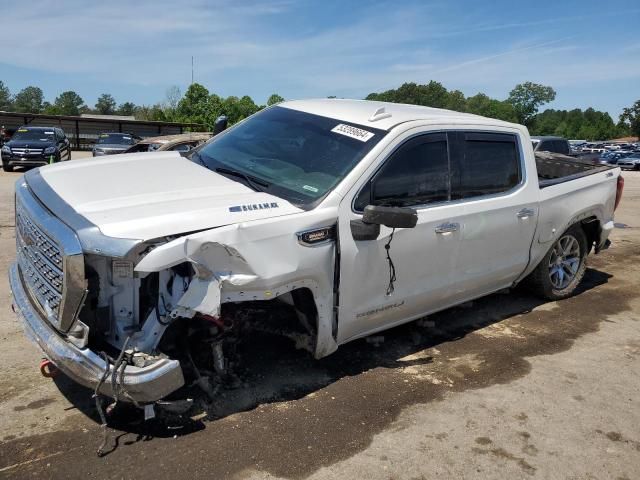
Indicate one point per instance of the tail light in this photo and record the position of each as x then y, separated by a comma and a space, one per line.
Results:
619, 189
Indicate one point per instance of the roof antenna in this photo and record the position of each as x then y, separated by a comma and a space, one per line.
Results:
379, 114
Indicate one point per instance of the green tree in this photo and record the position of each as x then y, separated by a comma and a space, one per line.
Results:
481, 104
195, 105
433, 94
50, 109
153, 113
589, 124
456, 101
68, 103
630, 118
106, 104
126, 108
274, 98
527, 98
28, 100
5, 97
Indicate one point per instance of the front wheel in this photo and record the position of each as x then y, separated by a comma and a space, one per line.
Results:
6, 167
563, 267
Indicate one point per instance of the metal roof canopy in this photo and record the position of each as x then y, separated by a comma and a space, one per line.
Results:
83, 131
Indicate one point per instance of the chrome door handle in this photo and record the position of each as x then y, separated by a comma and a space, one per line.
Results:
448, 228
526, 213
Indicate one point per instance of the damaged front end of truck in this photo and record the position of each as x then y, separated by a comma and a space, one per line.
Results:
140, 320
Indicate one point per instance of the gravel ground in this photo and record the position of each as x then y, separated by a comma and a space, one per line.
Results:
504, 387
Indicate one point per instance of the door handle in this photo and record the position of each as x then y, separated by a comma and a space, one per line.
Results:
448, 228
526, 213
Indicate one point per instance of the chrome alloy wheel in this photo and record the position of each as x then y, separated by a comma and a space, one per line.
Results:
564, 262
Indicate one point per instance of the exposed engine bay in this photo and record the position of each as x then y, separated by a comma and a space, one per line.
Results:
142, 318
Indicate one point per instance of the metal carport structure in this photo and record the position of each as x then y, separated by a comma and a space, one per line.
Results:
83, 131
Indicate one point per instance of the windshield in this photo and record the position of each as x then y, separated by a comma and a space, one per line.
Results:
297, 156
39, 135
115, 138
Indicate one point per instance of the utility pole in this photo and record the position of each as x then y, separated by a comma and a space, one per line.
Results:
191, 69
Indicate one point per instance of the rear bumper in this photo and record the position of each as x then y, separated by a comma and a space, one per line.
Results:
143, 384
605, 231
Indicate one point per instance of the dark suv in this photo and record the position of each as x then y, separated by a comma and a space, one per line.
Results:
34, 146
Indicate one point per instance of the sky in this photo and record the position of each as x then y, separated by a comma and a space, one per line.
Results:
588, 51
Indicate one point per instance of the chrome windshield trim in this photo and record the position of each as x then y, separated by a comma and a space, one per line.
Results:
90, 236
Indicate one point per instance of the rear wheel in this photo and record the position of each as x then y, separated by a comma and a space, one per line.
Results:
563, 267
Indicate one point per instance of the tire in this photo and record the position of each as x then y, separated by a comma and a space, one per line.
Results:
563, 267
6, 167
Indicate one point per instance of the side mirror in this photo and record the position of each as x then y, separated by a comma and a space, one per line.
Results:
392, 217
220, 124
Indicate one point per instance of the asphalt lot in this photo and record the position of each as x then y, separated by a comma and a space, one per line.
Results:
505, 387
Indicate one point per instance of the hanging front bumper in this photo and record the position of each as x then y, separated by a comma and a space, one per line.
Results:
143, 384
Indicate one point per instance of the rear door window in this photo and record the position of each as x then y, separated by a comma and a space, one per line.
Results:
484, 164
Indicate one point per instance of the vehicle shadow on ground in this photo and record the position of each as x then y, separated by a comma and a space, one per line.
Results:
273, 371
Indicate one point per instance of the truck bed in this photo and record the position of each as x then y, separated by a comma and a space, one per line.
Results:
555, 168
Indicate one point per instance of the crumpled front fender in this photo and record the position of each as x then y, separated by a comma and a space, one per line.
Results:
258, 260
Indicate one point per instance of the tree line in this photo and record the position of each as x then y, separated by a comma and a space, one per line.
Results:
521, 106
198, 105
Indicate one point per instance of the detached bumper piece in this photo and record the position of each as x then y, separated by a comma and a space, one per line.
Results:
143, 384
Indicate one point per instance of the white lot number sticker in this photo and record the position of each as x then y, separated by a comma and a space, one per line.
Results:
353, 132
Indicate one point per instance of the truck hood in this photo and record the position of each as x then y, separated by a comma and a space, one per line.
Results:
144, 196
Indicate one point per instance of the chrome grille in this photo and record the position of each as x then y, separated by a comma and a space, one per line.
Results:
27, 151
40, 261
50, 259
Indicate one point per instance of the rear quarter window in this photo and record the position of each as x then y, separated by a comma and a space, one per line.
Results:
484, 164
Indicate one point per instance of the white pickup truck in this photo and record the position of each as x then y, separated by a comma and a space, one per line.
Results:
327, 220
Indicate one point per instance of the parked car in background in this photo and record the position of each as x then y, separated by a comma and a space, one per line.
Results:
593, 148
631, 162
112, 143
551, 144
182, 143
35, 146
614, 156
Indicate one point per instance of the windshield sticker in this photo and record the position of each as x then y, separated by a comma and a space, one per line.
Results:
352, 132
310, 188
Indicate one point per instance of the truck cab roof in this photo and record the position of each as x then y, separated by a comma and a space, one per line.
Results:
384, 115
